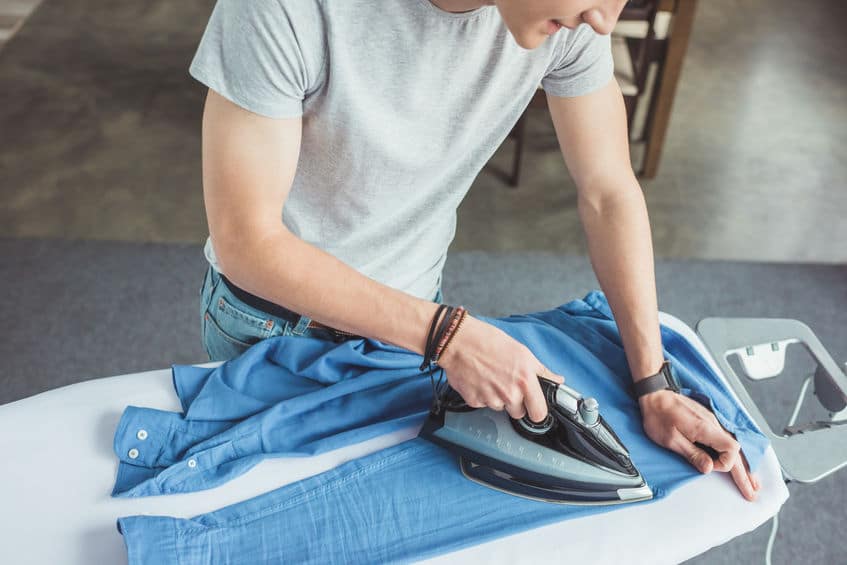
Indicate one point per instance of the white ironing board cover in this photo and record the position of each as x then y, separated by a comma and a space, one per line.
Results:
58, 470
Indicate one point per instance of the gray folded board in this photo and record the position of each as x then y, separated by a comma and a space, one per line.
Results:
806, 453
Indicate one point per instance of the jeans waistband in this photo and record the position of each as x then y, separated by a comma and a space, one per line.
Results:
260, 303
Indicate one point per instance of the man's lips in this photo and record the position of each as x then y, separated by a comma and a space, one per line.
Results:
553, 26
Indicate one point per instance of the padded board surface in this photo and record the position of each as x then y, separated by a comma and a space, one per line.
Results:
59, 469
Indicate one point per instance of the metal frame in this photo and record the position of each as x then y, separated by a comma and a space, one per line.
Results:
806, 453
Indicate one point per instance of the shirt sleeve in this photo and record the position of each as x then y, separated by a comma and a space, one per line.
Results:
582, 64
266, 56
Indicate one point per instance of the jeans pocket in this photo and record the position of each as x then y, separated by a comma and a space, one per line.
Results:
231, 326
218, 343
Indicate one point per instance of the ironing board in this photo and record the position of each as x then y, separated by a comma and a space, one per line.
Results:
58, 469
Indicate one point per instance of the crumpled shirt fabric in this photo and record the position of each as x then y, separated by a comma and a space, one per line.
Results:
297, 396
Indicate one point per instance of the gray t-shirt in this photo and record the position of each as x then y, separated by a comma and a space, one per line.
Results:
402, 105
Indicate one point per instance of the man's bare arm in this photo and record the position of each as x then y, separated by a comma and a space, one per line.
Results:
248, 167
593, 136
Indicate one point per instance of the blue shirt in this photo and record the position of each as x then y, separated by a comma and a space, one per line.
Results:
294, 396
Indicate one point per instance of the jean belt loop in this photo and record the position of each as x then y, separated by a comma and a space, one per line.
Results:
301, 325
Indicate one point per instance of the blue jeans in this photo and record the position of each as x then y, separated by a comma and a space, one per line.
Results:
228, 326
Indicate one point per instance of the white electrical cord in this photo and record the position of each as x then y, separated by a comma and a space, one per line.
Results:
775, 527
800, 400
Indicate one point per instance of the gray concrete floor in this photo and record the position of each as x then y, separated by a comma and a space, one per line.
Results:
100, 137
755, 162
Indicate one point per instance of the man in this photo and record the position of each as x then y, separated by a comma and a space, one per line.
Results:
363, 123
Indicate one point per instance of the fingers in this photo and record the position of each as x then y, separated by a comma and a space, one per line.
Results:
754, 480
511, 400
470, 396
536, 405
533, 400
545, 373
522, 396
527, 398
516, 409
729, 456
709, 432
702, 461
719, 439
742, 480
698, 458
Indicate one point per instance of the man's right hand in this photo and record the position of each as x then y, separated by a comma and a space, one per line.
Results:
488, 367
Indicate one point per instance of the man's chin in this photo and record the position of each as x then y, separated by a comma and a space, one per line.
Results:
529, 40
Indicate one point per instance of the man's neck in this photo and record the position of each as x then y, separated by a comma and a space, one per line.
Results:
458, 6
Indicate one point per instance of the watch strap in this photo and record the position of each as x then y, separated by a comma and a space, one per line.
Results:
663, 380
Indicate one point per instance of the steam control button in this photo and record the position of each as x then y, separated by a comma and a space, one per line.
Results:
589, 409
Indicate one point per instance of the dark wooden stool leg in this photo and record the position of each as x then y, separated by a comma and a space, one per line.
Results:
630, 103
665, 88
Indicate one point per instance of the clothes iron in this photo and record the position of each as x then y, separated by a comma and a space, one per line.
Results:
572, 457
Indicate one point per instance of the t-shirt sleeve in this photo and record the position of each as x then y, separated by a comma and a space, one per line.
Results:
582, 64
267, 56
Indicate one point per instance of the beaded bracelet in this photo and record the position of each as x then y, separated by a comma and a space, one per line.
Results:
441, 331
453, 330
454, 321
436, 342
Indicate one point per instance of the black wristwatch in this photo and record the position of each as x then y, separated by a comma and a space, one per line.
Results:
663, 380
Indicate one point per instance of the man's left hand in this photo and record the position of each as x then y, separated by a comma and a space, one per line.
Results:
675, 422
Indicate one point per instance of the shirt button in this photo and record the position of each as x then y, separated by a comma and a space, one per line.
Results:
142, 435
192, 463
133, 453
